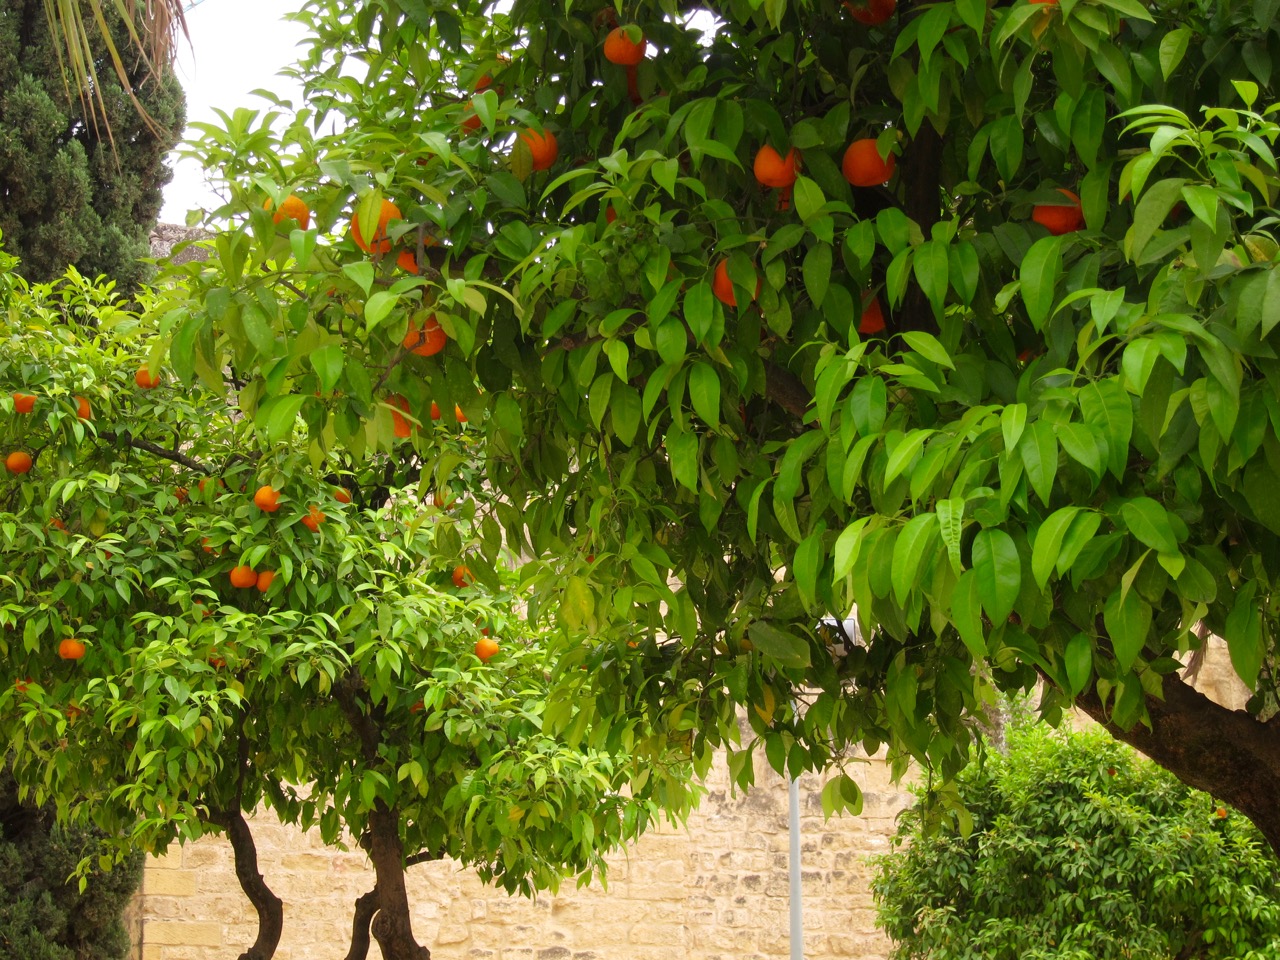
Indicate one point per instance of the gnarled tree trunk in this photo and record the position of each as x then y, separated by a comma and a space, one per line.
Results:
392, 924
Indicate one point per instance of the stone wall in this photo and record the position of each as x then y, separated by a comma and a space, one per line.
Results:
713, 891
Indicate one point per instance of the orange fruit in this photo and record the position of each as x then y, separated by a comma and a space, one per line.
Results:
435, 410
441, 499
379, 243
872, 315
426, 340
619, 48
418, 707
407, 261
24, 402
1052, 3
873, 12
470, 119
772, 170
267, 499
204, 543
1221, 813
722, 286
458, 414
264, 579
293, 208
18, 462
145, 380
542, 146
341, 495
315, 516
400, 426
1059, 219
486, 647
243, 576
83, 410
864, 167
57, 524
71, 649
22, 685
610, 214
182, 494
461, 576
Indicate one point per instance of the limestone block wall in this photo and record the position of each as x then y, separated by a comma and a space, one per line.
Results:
716, 890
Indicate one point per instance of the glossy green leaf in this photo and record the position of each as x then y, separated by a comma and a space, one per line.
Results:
998, 570
1127, 618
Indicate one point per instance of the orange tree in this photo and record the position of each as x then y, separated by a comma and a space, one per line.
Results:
988, 358
199, 617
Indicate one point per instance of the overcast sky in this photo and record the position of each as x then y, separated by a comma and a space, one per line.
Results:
236, 46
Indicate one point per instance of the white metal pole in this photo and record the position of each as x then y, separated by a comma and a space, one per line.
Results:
797, 908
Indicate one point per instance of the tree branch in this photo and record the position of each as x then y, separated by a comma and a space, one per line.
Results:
361, 918
1227, 753
270, 908
154, 448
786, 390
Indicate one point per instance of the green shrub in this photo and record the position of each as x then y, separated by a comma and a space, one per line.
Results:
43, 915
1079, 849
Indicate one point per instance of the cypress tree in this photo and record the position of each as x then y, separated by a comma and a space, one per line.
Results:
67, 196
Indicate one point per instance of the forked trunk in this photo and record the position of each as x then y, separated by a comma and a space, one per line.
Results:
269, 907
392, 924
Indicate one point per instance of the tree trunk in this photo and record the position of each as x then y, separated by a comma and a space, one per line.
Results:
269, 906
392, 925
1227, 753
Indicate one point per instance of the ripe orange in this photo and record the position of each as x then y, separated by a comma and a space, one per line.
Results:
470, 119
57, 524
263, 582
610, 214
722, 286
22, 685
619, 48
1221, 813
293, 208
379, 243
458, 414
441, 499
24, 402
864, 167
83, 410
204, 543
71, 649
435, 410
486, 647
1059, 219
18, 462
873, 12
341, 494
243, 576
315, 516
1052, 3
182, 494
407, 261
400, 426
267, 499
418, 707
872, 315
542, 146
426, 340
772, 170
145, 380
461, 576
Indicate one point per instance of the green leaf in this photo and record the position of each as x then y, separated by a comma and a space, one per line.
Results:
1151, 213
951, 526
927, 345
808, 198
1081, 532
704, 391
577, 604
1048, 545
1077, 440
966, 614
1039, 451
1078, 659
682, 451
624, 412
598, 397
806, 566
847, 548
909, 552
1013, 418
1244, 635
378, 307
1148, 521
817, 272
327, 362
901, 456
1106, 404
999, 573
931, 269
1127, 618
257, 327
786, 648
278, 416
1039, 274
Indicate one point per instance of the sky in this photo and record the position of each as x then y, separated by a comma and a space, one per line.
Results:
236, 46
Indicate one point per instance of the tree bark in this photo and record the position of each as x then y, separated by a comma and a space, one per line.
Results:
362, 917
392, 925
1227, 753
269, 907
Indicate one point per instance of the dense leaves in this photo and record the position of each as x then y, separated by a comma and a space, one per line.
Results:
1078, 848
1054, 461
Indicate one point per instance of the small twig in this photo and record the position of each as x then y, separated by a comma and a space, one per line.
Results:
173, 455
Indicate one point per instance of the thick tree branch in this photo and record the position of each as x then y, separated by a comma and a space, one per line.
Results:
1227, 753
270, 908
786, 390
366, 906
